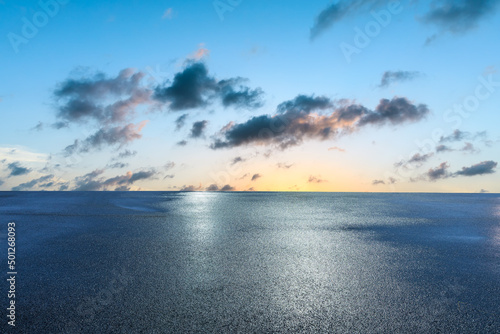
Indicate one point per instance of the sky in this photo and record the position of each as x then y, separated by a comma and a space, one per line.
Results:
250, 95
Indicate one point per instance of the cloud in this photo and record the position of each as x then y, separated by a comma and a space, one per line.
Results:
469, 148
1, 182
459, 16
117, 165
213, 187
390, 77
314, 179
95, 182
101, 99
377, 182
44, 182
339, 10
255, 177
440, 172
485, 167
457, 135
335, 148
483, 191
15, 169
38, 127
169, 165
119, 135
234, 94
227, 187
194, 88
455, 16
198, 128
305, 118
190, 188
237, 160
180, 121
126, 154
443, 148
419, 158
182, 143
199, 54
284, 165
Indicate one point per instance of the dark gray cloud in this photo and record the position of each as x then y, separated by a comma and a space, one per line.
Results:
390, 77
195, 88
234, 94
305, 118
198, 129
101, 99
377, 182
458, 16
255, 177
339, 10
440, 172
95, 182
15, 169
182, 143
180, 121
395, 111
455, 16
485, 167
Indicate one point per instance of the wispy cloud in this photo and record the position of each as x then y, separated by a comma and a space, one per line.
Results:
391, 77
315, 179
95, 182
115, 136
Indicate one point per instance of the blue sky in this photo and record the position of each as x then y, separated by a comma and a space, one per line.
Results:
345, 129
